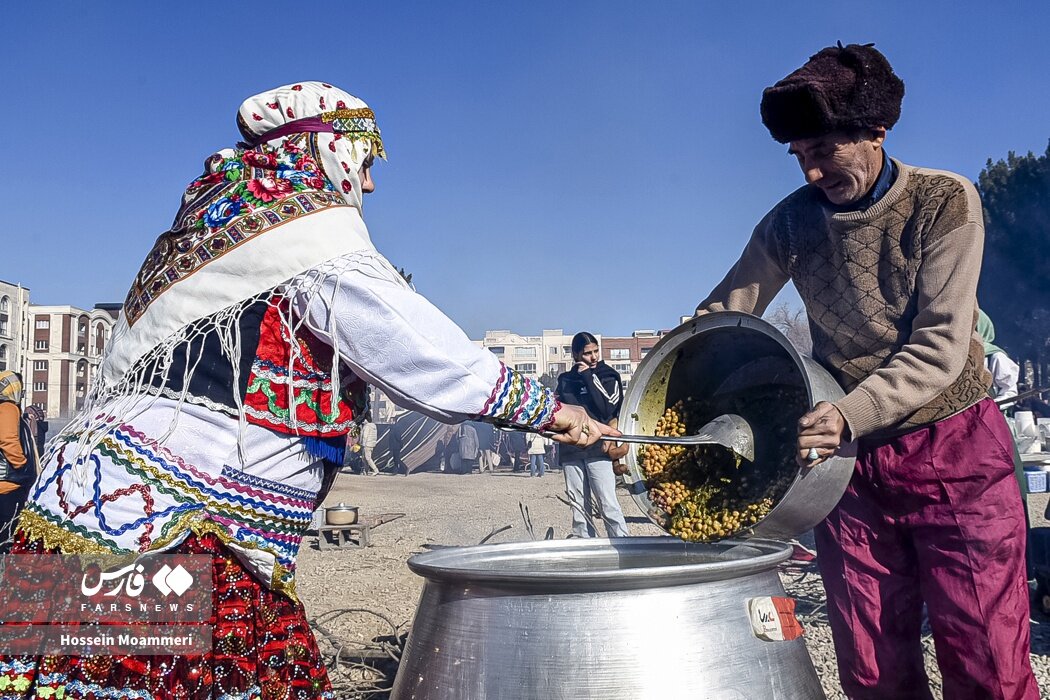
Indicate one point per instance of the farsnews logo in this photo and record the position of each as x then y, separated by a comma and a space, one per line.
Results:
131, 581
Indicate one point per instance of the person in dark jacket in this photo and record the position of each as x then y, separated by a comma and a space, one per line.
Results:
596, 387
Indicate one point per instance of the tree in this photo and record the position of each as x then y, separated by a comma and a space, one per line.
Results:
794, 324
1014, 289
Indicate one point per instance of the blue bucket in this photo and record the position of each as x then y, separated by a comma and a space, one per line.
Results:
1036, 478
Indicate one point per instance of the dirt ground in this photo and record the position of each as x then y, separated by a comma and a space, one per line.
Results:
445, 509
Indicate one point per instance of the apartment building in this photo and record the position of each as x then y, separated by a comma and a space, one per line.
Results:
14, 326
534, 355
551, 352
65, 349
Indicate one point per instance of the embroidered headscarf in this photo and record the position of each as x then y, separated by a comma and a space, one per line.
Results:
10, 387
345, 128
286, 200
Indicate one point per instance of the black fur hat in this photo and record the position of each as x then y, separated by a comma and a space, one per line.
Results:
840, 87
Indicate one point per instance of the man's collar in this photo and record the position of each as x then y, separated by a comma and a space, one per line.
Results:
887, 176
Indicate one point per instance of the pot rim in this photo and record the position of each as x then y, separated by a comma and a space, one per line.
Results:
480, 563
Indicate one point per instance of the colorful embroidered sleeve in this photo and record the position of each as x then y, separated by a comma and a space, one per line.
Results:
396, 339
520, 400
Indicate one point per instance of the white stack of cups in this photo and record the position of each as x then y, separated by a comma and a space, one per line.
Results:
1027, 433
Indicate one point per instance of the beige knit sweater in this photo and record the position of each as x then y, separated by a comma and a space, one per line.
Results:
890, 293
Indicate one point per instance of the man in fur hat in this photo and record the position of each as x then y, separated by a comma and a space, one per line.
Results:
886, 258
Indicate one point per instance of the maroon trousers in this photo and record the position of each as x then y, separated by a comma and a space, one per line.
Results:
933, 516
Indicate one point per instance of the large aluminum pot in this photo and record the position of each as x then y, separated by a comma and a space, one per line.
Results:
726, 354
592, 619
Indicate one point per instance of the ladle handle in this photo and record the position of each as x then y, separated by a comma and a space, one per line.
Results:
645, 439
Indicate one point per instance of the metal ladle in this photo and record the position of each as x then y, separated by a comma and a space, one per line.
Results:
729, 431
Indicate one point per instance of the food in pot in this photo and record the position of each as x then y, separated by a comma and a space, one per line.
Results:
707, 492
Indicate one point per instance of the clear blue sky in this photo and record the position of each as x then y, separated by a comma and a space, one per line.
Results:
592, 165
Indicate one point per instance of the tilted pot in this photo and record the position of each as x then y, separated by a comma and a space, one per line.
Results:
591, 619
727, 354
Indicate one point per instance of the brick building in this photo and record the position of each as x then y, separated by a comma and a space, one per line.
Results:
624, 354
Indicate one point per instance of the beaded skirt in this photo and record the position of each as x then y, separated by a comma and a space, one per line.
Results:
263, 649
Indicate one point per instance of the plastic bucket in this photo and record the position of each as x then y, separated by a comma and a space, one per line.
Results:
1036, 479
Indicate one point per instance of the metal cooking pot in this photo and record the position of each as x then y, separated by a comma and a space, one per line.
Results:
341, 514
590, 619
728, 354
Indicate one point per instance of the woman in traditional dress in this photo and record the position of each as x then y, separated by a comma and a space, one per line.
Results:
233, 377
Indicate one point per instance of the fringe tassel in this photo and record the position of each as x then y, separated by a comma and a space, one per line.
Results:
135, 393
331, 449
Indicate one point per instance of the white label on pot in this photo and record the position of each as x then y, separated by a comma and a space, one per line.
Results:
773, 618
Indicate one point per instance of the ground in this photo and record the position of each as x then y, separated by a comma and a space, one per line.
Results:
444, 509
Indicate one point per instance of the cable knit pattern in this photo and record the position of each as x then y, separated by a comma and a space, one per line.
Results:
890, 293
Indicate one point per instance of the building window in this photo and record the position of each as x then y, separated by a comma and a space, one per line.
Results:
526, 367
5, 304
3, 326
619, 354
496, 350
41, 345
622, 367
554, 350
3, 357
40, 365
555, 368
566, 349
43, 322
645, 351
529, 351
39, 386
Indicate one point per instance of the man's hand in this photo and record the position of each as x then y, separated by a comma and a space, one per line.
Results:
616, 450
575, 427
822, 429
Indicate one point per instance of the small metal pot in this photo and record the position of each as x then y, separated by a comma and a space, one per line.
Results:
341, 514
728, 353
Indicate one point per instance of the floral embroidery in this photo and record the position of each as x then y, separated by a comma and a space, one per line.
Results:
300, 402
258, 177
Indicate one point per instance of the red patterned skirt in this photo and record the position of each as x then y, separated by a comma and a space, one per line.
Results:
263, 649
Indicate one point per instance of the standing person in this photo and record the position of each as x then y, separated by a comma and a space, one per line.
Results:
20, 463
369, 438
518, 449
537, 448
254, 323
40, 426
468, 448
486, 445
596, 387
396, 445
1004, 371
886, 258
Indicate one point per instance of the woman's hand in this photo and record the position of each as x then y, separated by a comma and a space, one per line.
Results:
575, 427
822, 429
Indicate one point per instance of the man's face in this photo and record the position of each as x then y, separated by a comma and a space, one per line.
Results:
844, 166
590, 355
